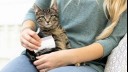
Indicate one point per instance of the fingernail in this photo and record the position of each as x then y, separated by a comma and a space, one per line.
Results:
38, 57
34, 62
31, 50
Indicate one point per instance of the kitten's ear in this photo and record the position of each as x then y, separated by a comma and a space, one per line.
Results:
54, 5
36, 8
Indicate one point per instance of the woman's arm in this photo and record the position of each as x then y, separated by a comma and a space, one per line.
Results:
87, 53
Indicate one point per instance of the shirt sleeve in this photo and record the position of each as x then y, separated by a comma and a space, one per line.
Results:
113, 40
31, 15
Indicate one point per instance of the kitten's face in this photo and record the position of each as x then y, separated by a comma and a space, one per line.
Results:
47, 18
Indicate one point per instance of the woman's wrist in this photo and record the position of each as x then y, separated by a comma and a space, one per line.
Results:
85, 54
73, 56
70, 56
28, 25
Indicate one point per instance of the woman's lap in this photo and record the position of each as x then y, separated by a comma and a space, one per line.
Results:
22, 64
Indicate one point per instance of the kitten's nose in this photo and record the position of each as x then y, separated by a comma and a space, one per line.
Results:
47, 21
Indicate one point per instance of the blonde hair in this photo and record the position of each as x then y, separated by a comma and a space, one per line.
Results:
115, 8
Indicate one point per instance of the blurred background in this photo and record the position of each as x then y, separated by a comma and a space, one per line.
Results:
12, 13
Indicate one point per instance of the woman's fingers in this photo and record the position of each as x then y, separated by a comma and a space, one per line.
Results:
39, 57
39, 61
34, 35
42, 66
31, 40
28, 45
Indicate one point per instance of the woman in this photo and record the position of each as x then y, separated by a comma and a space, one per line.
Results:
93, 33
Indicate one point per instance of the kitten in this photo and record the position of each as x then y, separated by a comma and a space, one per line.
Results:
48, 21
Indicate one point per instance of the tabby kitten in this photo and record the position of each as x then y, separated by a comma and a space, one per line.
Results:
48, 21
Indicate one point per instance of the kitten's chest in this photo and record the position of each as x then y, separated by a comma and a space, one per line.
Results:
55, 32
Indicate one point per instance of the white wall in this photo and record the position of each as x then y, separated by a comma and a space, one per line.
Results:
10, 41
12, 13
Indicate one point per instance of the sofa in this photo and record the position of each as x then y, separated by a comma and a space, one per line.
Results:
117, 60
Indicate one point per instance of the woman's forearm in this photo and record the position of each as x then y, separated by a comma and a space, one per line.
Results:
88, 53
28, 24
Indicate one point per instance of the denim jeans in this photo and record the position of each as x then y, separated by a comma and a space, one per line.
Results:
22, 64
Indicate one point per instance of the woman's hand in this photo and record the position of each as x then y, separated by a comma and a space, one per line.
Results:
29, 39
53, 60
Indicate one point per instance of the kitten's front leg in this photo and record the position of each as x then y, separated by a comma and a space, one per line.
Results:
60, 45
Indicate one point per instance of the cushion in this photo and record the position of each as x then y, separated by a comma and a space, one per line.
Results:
117, 61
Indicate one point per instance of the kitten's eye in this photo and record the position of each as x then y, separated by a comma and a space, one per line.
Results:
54, 19
53, 15
40, 19
48, 10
